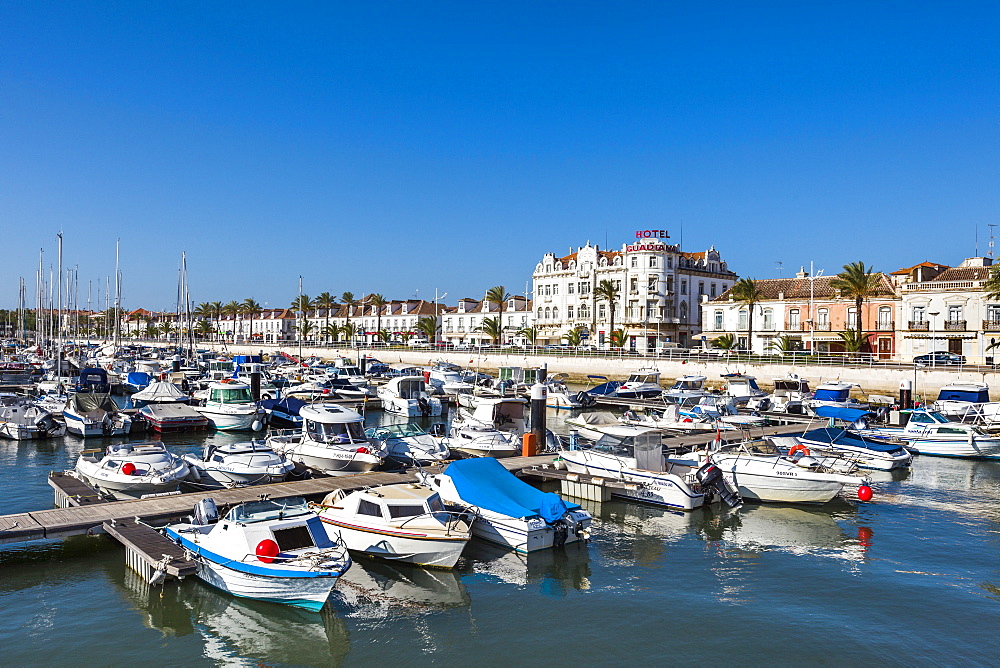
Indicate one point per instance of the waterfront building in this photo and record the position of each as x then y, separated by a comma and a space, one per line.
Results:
945, 308
463, 324
269, 326
807, 310
399, 317
659, 290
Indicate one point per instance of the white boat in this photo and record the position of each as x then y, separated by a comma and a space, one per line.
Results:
791, 395
332, 441
132, 469
595, 424
397, 522
558, 395
90, 414
238, 464
643, 384
762, 472
229, 407
637, 460
670, 419
868, 453
447, 381
407, 395
742, 388
407, 444
686, 390
159, 392
834, 394
931, 433
21, 419
507, 510
268, 550
493, 429
962, 399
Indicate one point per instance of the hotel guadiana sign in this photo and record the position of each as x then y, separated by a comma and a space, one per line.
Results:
648, 241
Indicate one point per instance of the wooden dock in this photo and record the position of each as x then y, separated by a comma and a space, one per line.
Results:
89, 518
147, 550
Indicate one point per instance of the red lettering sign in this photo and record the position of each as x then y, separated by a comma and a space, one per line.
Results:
651, 234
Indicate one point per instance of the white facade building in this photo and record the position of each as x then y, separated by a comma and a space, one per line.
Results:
659, 292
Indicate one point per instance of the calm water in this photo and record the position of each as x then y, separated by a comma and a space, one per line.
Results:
912, 578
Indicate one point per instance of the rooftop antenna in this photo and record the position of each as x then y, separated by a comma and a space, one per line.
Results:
779, 263
992, 237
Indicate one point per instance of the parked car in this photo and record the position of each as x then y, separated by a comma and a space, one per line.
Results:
419, 343
939, 358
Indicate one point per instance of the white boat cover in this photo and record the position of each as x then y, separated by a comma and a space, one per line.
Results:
160, 392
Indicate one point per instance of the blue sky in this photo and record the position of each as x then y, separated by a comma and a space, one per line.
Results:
401, 147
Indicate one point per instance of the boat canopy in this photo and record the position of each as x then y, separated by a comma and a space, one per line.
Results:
604, 389
289, 405
484, 482
980, 395
845, 414
832, 435
829, 394
139, 378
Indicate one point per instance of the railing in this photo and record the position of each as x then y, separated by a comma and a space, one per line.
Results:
882, 326
991, 325
941, 285
954, 326
824, 327
919, 326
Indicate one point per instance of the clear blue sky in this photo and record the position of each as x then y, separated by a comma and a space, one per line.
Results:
403, 146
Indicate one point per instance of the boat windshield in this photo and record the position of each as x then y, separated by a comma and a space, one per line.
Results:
238, 395
222, 366
620, 447
688, 385
398, 431
335, 432
929, 417
260, 511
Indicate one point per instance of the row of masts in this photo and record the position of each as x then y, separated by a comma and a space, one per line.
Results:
55, 297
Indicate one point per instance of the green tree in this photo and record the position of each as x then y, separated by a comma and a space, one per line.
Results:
251, 308
203, 328
746, 291
326, 301
378, 302
617, 338
782, 344
725, 342
405, 336
498, 295
152, 331
529, 333
305, 329
574, 337
350, 330
428, 327
383, 335
350, 301
991, 287
167, 328
608, 292
853, 341
233, 309
217, 309
302, 303
857, 282
330, 332
492, 328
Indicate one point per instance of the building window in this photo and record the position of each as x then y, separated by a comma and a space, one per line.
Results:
601, 311
548, 313
555, 312
743, 319
993, 312
651, 286
652, 261
919, 314
555, 289
569, 312
701, 288
634, 285
768, 319
852, 318
571, 288
793, 318
584, 312
684, 287
713, 291
635, 261
670, 262
823, 316
539, 314
584, 288
884, 318
684, 311
954, 313
718, 321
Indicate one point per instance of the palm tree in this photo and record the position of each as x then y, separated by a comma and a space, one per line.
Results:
725, 342
498, 295
217, 312
203, 328
530, 333
152, 331
330, 331
325, 301
747, 292
782, 344
167, 329
251, 308
378, 301
302, 303
854, 341
350, 301
383, 335
350, 330
607, 291
428, 327
305, 329
233, 309
991, 287
574, 337
492, 328
405, 336
617, 338
859, 283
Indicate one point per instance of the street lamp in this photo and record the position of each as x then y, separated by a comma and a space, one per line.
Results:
436, 298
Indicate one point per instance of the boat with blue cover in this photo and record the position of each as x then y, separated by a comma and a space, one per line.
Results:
284, 412
507, 510
868, 453
931, 433
269, 550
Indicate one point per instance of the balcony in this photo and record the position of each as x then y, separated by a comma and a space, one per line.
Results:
824, 327
954, 326
885, 326
919, 326
991, 325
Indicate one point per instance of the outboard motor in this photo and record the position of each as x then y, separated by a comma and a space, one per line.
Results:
439, 429
561, 527
425, 407
710, 477
586, 399
205, 512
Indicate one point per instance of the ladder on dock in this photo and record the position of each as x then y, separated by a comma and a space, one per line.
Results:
149, 553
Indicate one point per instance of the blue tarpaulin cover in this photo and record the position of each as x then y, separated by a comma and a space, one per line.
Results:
845, 414
484, 482
289, 405
139, 378
975, 397
836, 436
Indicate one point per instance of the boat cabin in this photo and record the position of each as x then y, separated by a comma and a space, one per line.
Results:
833, 391
973, 393
330, 423
290, 523
689, 383
230, 393
219, 369
389, 503
784, 387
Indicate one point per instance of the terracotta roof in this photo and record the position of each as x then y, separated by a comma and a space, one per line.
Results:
798, 288
963, 274
694, 256
907, 270
605, 254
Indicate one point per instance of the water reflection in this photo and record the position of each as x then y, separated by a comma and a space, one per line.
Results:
792, 529
374, 583
232, 628
555, 571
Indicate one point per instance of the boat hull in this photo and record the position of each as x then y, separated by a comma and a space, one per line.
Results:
438, 552
659, 490
308, 593
81, 426
524, 536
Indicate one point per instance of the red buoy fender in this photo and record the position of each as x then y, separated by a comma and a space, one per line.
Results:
267, 550
799, 448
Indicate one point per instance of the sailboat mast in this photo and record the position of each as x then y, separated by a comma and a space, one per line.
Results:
118, 298
59, 306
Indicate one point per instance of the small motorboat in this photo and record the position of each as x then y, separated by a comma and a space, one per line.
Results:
407, 444
558, 395
493, 429
637, 460
230, 407
791, 395
283, 413
686, 390
670, 419
22, 419
931, 433
132, 469
834, 394
868, 453
595, 424
507, 510
331, 441
407, 395
741, 388
238, 465
963, 399
398, 522
269, 550
90, 414
643, 384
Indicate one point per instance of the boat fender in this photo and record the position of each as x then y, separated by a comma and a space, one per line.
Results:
799, 448
256, 425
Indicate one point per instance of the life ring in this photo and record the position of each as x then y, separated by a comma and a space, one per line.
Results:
799, 448
227, 380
